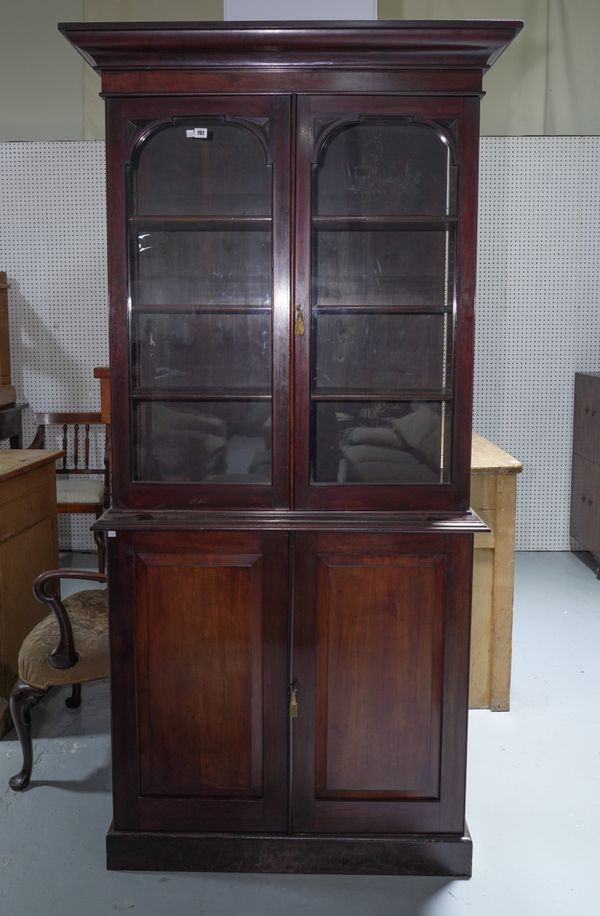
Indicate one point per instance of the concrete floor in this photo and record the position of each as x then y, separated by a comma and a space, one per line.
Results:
533, 797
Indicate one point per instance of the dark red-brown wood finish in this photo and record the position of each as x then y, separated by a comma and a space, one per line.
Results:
453, 119
129, 124
199, 739
290, 655
189, 59
380, 659
360, 45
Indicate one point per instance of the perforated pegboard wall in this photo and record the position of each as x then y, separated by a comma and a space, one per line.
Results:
538, 313
53, 248
538, 310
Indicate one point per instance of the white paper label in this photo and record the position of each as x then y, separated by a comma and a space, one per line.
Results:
197, 133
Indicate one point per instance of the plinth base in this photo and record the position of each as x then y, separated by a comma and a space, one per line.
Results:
445, 855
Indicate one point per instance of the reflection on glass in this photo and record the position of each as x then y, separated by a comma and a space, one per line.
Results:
211, 267
370, 267
383, 166
203, 350
383, 251
383, 352
223, 173
208, 442
380, 443
200, 237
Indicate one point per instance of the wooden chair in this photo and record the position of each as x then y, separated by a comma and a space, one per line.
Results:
69, 646
76, 489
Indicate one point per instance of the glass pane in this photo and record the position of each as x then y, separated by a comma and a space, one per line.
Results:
209, 267
235, 350
201, 282
385, 166
383, 252
223, 173
208, 442
379, 442
366, 267
385, 352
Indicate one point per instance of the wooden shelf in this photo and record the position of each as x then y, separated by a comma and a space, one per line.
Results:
183, 223
193, 394
438, 394
179, 308
382, 310
374, 223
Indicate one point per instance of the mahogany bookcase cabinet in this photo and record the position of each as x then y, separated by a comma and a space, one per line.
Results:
292, 225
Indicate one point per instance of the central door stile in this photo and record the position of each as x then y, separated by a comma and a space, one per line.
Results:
301, 339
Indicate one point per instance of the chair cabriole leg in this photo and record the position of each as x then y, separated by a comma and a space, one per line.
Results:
22, 698
74, 701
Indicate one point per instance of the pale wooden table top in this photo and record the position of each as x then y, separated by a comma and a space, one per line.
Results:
486, 457
15, 461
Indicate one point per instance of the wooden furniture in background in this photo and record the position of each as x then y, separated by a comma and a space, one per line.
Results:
11, 424
493, 497
67, 647
290, 583
7, 391
28, 545
103, 373
585, 480
80, 488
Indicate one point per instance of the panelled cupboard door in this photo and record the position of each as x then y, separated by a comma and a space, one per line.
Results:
208, 696
380, 673
385, 208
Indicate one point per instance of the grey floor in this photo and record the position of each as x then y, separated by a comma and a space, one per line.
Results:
533, 797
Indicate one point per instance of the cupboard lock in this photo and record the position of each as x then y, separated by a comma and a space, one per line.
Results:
299, 322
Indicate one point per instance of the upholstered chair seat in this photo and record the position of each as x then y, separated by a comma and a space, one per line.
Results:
69, 491
87, 613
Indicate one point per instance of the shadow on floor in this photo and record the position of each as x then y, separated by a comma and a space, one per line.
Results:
98, 780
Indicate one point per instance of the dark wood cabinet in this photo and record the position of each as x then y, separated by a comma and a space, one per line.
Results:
206, 699
378, 654
585, 479
292, 226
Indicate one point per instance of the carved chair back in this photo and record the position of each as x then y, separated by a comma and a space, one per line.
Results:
79, 444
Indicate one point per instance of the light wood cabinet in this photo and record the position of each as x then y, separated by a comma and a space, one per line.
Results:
494, 498
28, 546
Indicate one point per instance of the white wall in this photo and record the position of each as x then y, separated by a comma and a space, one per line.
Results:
547, 80
47, 92
308, 9
537, 313
41, 78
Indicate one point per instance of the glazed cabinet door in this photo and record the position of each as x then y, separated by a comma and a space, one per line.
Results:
200, 733
380, 676
386, 207
199, 217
